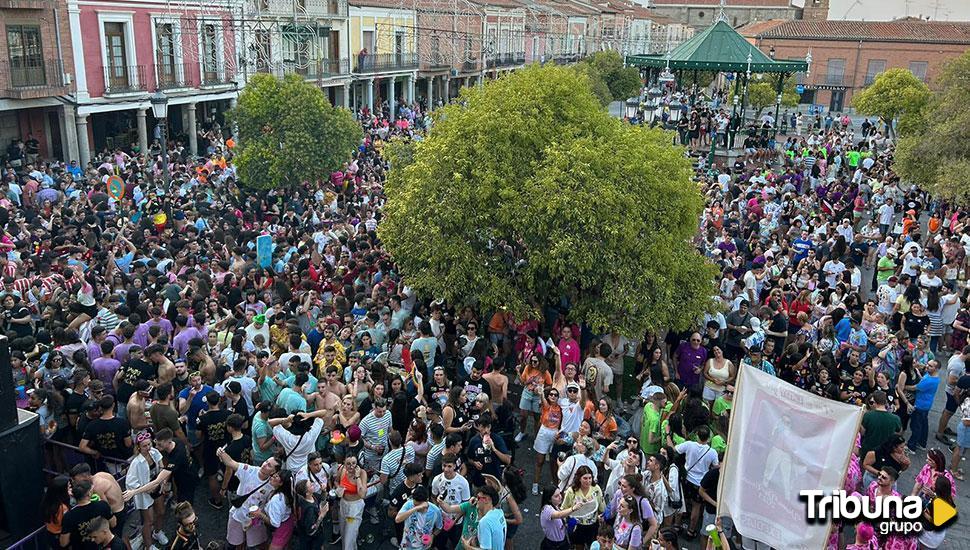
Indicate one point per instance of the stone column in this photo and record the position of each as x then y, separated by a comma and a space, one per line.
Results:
142, 131
370, 94
346, 98
193, 131
67, 120
446, 93
84, 148
391, 98
430, 93
233, 101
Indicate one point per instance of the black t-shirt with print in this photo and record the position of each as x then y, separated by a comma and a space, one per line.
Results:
401, 495
131, 372
77, 522
108, 437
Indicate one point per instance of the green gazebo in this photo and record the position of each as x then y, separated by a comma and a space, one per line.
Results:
720, 48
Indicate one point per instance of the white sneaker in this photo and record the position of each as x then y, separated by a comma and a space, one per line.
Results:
519, 437
535, 488
160, 538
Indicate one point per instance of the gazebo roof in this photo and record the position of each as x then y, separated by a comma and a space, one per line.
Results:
718, 48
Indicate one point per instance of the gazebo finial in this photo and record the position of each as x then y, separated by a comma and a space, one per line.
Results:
721, 15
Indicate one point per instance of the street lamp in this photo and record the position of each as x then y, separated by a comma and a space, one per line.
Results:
771, 52
632, 106
159, 103
675, 111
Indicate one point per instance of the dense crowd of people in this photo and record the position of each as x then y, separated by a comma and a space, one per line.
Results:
311, 390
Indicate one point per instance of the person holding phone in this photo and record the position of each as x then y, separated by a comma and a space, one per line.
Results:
351, 489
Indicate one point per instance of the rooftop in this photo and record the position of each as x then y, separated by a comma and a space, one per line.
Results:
902, 30
730, 3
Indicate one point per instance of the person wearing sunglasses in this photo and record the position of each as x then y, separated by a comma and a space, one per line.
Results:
550, 422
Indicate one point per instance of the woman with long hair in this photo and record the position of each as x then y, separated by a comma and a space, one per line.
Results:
583, 489
56, 501
454, 416
511, 491
942, 489
351, 488
144, 482
926, 478
278, 511
552, 519
417, 439
891, 452
906, 382
719, 373
628, 525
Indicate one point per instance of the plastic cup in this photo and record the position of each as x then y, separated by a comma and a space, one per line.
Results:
713, 534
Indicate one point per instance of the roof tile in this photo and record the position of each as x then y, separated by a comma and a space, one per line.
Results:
900, 30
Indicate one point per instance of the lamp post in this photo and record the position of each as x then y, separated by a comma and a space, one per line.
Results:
159, 103
676, 110
632, 106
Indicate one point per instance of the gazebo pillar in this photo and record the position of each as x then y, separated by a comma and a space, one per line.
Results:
781, 87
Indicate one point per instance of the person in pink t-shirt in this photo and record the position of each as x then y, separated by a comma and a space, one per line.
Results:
568, 347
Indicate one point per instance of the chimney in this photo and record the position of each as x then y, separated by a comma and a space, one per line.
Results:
816, 10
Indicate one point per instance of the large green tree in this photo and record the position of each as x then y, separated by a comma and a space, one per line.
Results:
289, 132
611, 81
934, 147
894, 94
763, 94
527, 191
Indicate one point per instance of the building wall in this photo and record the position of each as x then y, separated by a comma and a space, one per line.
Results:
857, 56
385, 23
141, 39
704, 16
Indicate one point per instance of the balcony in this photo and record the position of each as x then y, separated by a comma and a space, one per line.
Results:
44, 80
507, 60
125, 79
385, 62
217, 76
170, 76
566, 58
319, 68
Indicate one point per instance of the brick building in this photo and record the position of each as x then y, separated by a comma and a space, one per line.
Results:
847, 55
703, 13
36, 72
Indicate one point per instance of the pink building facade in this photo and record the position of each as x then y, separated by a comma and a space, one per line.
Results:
124, 52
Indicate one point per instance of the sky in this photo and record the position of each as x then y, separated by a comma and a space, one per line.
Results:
885, 10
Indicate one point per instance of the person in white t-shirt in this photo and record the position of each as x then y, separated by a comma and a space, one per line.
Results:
700, 458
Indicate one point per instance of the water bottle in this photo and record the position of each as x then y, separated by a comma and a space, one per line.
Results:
714, 535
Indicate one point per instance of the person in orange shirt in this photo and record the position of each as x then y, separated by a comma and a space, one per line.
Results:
534, 377
550, 421
909, 221
600, 415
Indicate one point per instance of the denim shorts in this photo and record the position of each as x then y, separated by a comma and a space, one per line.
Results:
530, 401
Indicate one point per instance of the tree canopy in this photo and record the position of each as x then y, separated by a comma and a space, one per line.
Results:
934, 145
527, 192
894, 94
611, 81
289, 132
763, 94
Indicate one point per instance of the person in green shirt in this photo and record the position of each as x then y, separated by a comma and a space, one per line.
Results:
650, 433
468, 512
853, 158
723, 402
262, 433
886, 267
878, 424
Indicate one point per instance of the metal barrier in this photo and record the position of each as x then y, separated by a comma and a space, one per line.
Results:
70, 456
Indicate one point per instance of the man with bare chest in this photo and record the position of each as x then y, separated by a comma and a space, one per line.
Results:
138, 406
106, 487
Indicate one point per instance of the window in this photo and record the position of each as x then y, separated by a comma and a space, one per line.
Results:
835, 72
873, 69
165, 55
26, 55
918, 68
210, 53
114, 43
262, 51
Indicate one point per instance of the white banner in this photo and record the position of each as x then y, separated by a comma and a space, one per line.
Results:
782, 440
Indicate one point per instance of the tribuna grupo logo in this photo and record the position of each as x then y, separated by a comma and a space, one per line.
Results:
888, 514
